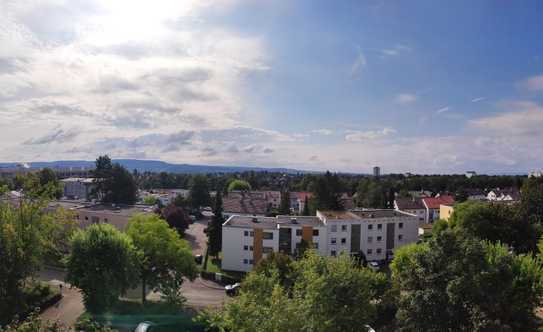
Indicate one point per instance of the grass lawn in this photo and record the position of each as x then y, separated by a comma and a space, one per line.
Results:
126, 315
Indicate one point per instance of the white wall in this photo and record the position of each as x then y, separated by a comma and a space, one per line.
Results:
233, 254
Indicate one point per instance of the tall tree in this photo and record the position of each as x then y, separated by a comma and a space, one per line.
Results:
284, 206
532, 199
457, 283
103, 264
306, 206
199, 192
239, 185
327, 192
214, 230
113, 182
165, 258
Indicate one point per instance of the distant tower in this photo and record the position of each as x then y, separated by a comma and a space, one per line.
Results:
377, 171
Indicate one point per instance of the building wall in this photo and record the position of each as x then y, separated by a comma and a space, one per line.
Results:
445, 212
233, 242
88, 217
77, 189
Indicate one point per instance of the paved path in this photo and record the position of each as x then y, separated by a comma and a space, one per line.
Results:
70, 307
196, 236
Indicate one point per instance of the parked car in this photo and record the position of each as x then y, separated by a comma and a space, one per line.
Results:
145, 327
374, 265
232, 290
198, 259
369, 328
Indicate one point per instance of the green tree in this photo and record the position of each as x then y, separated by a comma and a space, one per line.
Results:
199, 192
103, 264
114, 183
151, 200
496, 223
457, 283
214, 230
532, 199
284, 206
21, 252
325, 294
326, 191
165, 258
239, 185
306, 207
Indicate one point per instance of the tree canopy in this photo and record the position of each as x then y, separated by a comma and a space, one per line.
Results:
103, 263
457, 283
314, 294
214, 230
164, 257
239, 185
114, 183
199, 192
327, 192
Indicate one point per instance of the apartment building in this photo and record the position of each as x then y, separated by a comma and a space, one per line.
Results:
78, 188
376, 233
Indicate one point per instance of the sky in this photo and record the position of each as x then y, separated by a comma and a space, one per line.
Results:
411, 86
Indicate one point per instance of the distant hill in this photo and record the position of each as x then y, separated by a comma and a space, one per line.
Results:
156, 166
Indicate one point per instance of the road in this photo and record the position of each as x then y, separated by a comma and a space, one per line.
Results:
199, 293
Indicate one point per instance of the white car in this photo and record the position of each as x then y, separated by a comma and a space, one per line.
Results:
374, 265
232, 289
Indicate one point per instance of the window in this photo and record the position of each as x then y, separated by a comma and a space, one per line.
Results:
105, 219
86, 218
343, 228
251, 248
370, 227
333, 240
245, 261
343, 240
246, 233
370, 239
315, 232
298, 232
369, 251
251, 233
379, 226
379, 238
250, 261
268, 236
267, 250
316, 245
400, 237
334, 228
379, 250
400, 225
246, 248
333, 253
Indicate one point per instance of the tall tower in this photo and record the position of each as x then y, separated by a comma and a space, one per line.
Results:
376, 171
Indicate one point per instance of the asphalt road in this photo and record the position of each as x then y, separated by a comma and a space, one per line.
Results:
199, 293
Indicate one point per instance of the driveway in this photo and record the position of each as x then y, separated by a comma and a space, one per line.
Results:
196, 236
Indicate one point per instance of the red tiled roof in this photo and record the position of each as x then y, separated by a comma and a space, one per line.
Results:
435, 202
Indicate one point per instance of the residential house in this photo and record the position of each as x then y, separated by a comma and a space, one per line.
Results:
445, 211
505, 195
432, 205
411, 205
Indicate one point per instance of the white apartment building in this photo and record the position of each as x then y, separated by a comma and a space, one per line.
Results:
376, 233
78, 188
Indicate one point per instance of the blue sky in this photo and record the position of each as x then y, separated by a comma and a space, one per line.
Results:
418, 86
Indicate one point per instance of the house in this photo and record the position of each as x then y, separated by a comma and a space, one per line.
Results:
116, 215
375, 233
505, 195
78, 188
432, 205
411, 205
470, 174
297, 201
476, 194
245, 203
445, 211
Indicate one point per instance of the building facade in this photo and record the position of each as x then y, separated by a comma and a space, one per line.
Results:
78, 188
375, 233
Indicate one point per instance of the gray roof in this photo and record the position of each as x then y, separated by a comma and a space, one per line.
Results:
272, 222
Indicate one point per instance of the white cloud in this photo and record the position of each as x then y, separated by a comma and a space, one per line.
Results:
478, 99
534, 83
395, 50
323, 131
442, 110
523, 118
405, 98
361, 136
